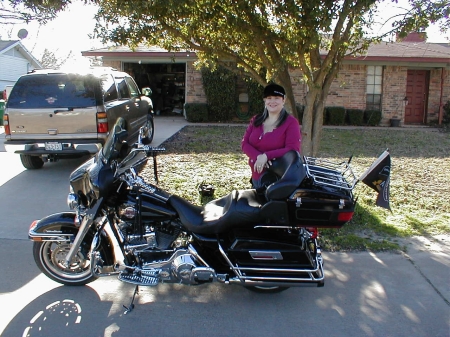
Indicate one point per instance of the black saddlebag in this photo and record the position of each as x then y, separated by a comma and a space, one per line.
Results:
275, 255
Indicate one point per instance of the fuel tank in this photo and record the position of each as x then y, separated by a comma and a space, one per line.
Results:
152, 206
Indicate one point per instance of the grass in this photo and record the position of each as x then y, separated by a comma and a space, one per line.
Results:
419, 191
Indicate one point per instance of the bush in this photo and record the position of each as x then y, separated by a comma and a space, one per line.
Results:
325, 116
336, 115
355, 116
446, 116
255, 94
372, 117
220, 90
196, 112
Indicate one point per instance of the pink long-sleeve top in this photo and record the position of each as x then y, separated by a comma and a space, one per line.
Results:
274, 144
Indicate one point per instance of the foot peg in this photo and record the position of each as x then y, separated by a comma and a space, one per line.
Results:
140, 278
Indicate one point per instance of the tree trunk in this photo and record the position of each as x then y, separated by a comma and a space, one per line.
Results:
308, 122
284, 79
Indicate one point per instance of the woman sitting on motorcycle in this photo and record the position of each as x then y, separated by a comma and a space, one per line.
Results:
270, 134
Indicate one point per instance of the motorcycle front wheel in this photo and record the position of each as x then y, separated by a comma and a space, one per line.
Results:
50, 256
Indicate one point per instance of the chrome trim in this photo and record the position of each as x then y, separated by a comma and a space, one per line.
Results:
90, 147
50, 236
265, 255
72, 201
235, 270
264, 279
84, 227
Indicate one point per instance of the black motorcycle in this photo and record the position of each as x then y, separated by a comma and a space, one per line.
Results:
265, 240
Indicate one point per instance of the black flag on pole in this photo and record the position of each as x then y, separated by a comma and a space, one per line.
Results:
377, 177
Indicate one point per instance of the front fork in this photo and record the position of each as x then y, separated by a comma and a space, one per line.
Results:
86, 224
97, 267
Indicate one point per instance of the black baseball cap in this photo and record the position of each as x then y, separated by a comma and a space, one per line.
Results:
274, 90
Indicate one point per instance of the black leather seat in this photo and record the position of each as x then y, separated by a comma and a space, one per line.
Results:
291, 171
237, 209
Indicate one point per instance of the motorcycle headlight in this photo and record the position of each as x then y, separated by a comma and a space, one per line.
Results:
72, 201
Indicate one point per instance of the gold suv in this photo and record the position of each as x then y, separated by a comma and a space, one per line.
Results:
52, 114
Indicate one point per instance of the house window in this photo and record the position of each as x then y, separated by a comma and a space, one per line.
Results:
374, 87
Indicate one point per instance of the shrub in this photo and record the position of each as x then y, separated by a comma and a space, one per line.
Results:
255, 94
372, 117
196, 112
220, 90
355, 116
325, 116
336, 115
446, 116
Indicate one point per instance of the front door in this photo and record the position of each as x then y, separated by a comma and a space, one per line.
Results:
417, 95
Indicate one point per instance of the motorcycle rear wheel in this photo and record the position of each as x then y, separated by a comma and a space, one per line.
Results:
49, 257
267, 290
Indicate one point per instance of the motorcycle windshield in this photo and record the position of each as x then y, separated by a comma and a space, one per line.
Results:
94, 178
114, 142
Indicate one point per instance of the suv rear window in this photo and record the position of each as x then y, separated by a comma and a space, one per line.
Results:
55, 91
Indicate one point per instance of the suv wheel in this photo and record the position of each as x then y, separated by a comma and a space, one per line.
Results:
31, 162
149, 130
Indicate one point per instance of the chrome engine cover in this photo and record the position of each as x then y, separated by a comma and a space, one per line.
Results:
182, 267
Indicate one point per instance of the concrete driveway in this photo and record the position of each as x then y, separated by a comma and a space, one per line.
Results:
365, 294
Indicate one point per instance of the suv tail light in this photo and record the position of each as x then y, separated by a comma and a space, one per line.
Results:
102, 122
6, 125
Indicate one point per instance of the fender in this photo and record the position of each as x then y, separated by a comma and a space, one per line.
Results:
54, 227
61, 227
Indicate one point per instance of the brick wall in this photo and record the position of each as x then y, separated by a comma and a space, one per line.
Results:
113, 64
394, 92
349, 88
194, 86
435, 93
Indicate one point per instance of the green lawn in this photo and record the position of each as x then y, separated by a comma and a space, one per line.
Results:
420, 178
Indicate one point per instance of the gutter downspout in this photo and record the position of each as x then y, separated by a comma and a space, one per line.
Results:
441, 97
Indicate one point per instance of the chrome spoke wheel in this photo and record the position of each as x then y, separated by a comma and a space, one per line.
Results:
50, 258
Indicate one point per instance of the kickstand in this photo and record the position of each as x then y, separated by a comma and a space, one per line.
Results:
131, 306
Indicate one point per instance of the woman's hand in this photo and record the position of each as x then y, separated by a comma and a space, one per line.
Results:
261, 163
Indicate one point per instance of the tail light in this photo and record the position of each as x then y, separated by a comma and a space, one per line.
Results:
314, 232
102, 122
345, 216
6, 125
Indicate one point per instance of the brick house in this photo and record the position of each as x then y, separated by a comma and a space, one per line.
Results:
408, 79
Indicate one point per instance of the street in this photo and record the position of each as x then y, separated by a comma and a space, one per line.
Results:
365, 294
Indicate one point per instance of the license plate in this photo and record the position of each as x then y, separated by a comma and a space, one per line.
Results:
53, 146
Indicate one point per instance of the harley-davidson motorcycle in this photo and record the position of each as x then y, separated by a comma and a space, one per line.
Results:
265, 239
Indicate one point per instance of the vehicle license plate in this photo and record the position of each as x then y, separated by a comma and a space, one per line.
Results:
53, 146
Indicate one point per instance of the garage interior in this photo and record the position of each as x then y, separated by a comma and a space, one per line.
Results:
167, 82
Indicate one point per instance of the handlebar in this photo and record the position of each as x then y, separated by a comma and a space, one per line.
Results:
153, 151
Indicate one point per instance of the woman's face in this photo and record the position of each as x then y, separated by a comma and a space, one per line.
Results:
274, 104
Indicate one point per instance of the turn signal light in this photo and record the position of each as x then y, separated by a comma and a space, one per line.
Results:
6, 125
33, 223
102, 122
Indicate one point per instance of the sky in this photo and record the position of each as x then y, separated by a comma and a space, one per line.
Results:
70, 32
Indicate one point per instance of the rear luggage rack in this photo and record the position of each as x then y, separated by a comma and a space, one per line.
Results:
327, 173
